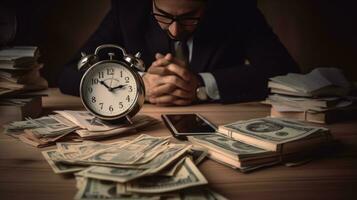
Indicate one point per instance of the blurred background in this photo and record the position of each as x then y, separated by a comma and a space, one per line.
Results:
316, 32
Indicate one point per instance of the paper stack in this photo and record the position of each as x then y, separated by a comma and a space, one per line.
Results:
19, 78
19, 70
320, 96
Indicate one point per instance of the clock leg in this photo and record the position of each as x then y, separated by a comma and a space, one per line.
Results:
93, 121
129, 119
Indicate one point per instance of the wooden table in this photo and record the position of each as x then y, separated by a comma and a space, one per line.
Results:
24, 173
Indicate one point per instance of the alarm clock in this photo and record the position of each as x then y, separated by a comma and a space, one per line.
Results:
112, 90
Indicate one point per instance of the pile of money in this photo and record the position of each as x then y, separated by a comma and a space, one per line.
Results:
233, 153
256, 143
144, 168
71, 125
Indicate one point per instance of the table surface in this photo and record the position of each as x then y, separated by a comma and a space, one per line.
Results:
24, 173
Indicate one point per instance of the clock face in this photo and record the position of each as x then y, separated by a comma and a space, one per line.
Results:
109, 89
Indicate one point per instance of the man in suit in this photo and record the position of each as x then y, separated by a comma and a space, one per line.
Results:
195, 50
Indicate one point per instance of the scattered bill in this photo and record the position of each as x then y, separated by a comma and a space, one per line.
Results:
60, 168
187, 176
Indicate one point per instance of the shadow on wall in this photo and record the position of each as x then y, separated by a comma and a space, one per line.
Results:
317, 33
58, 27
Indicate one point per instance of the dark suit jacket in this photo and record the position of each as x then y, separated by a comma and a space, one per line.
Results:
229, 33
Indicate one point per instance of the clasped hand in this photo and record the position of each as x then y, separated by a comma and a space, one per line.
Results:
168, 81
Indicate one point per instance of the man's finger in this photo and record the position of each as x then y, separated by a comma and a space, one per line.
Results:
162, 90
166, 99
181, 94
159, 55
175, 80
162, 70
180, 71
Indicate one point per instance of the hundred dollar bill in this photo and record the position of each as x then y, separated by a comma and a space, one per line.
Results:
187, 176
86, 120
201, 194
19, 126
96, 189
127, 173
59, 168
136, 151
30, 138
72, 151
234, 153
270, 133
49, 126
139, 122
234, 148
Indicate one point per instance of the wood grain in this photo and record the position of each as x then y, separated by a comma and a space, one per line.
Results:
24, 174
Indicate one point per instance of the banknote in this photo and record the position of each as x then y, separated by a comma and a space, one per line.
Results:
60, 168
97, 189
228, 145
273, 130
127, 173
85, 120
187, 176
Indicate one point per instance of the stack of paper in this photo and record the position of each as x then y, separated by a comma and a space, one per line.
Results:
19, 70
320, 96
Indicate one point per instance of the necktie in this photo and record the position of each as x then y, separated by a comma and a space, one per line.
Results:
181, 51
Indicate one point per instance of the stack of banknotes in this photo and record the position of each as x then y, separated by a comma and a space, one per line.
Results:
71, 125
256, 143
143, 168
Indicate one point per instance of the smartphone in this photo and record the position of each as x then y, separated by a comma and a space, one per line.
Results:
182, 125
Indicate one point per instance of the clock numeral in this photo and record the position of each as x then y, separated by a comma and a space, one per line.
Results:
128, 98
127, 79
101, 74
121, 74
95, 81
111, 109
121, 105
94, 100
110, 71
101, 105
130, 88
90, 90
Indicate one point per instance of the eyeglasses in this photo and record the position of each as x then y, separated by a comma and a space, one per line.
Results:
168, 20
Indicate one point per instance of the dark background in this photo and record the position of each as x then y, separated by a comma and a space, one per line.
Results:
316, 32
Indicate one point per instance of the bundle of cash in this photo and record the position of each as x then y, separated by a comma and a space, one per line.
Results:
256, 143
71, 125
233, 153
143, 168
277, 134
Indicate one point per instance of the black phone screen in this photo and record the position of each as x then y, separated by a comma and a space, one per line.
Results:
189, 123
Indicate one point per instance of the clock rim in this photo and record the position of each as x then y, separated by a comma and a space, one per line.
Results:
139, 98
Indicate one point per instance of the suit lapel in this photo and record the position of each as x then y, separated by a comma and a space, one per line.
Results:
201, 53
156, 39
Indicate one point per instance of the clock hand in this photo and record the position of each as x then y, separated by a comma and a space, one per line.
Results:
119, 87
105, 85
